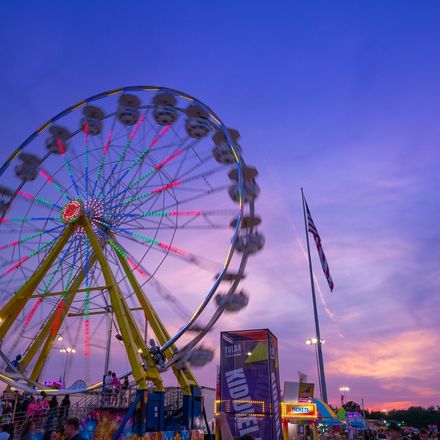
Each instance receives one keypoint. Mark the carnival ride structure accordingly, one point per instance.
(126, 198)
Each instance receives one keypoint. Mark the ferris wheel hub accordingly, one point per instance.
(71, 211)
(91, 209)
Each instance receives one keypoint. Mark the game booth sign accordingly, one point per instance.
(249, 386)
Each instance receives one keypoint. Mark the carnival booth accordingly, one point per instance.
(299, 414)
(355, 420)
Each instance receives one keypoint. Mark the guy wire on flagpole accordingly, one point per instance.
(321, 373)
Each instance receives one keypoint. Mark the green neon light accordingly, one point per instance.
(144, 176)
(155, 214)
(44, 201)
(139, 158)
(36, 251)
(133, 199)
(30, 237)
(118, 249)
(60, 190)
(145, 238)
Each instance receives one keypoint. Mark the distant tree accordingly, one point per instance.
(375, 415)
(415, 416)
(351, 406)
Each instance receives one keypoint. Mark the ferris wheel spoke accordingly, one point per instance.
(203, 263)
(68, 167)
(38, 199)
(174, 184)
(102, 160)
(138, 161)
(159, 288)
(148, 174)
(86, 159)
(159, 167)
(27, 257)
(124, 151)
(30, 237)
(152, 241)
(163, 292)
(204, 194)
(200, 163)
(56, 185)
(28, 219)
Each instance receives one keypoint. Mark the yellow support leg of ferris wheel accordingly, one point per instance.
(152, 370)
(129, 334)
(185, 378)
(46, 334)
(15, 305)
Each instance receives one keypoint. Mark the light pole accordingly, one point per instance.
(314, 341)
(67, 350)
(344, 390)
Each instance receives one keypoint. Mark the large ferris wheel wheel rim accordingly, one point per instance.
(239, 170)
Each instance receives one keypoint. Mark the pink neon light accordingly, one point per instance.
(32, 312)
(167, 186)
(25, 194)
(136, 128)
(164, 130)
(56, 322)
(137, 268)
(156, 139)
(168, 159)
(176, 213)
(60, 146)
(16, 265)
(173, 249)
(5, 220)
(86, 337)
(46, 176)
(86, 128)
(107, 142)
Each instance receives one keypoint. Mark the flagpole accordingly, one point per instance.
(321, 373)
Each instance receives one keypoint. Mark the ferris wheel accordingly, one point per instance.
(124, 206)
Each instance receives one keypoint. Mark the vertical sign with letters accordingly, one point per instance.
(249, 383)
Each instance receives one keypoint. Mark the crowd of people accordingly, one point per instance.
(27, 411)
(392, 432)
(115, 391)
(70, 431)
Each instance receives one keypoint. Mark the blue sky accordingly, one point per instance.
(338, 97)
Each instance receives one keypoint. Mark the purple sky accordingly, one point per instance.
(340, 98)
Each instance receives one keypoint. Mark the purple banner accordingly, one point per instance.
(249, 383)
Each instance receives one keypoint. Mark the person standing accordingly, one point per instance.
(51, 414)
(124, 391)
(116, 383)
(108, 388)
(63, 413)
(32, 408)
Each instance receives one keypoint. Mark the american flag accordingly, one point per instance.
(312, 229)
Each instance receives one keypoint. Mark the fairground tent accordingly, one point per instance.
(325, 413)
